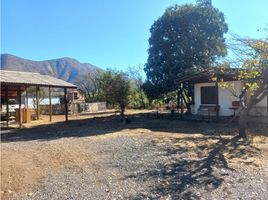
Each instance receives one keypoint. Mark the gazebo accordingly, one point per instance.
(14, 83)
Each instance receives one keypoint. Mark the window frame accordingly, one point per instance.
(208, 97)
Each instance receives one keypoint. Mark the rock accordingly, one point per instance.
(29, 194)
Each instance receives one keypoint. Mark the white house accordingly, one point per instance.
(208, 96)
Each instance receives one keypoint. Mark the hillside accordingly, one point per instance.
(67, 69)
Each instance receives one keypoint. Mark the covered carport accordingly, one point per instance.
(14, 83)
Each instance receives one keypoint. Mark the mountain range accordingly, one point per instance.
(66, 68)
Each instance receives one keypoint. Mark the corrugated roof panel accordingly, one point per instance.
(29, 78)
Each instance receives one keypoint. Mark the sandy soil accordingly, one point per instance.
(29, 155)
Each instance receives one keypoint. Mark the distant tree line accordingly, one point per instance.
(117, 88)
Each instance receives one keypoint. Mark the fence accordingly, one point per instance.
(74, 108)
(93, 107)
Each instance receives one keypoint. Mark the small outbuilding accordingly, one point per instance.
(208, 97)
(14, 83)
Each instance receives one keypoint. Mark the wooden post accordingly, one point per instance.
(72, 103)
(37, 102)
(26, 103)
(19, 94)
(217, 101)
(267, 102)
(7, 109)
(50, 104)
(181, 100)
(178, 98)
(65, 104)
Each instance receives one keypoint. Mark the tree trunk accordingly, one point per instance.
(243, 124)
(178, 98)
(187, 103)
(122, 112)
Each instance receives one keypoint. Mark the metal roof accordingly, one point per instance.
(32, 79)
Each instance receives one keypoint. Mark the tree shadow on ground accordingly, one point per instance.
(187, 177)
(110, 124)
(183, 176)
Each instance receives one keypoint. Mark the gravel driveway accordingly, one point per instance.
(136, 162)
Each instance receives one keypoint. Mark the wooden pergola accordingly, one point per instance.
(14, 83)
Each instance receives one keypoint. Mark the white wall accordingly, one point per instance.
(225, 97)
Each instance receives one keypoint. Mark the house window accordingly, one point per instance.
(209, 95)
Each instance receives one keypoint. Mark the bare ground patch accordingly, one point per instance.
(23, 165)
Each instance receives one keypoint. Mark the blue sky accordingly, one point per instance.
(106, 33)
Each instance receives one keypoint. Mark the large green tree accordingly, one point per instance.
(110, 86)
(121, 90)
(185, 39)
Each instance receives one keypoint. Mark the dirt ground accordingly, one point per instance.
(157, 159)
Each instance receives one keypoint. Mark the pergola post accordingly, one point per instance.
(181, 100)
(7, 109)
(66, 104)
(72, 112)
(50, 104)
(178, 98)
(26, 95)
(267, 102)
(217, 100)
(19, 113)
(37, 101)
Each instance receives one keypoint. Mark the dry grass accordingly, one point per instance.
(22, 168)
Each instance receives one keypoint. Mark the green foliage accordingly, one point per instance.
(110, 86)
(120, 89)
(106, 81)
(165, 100)
(116, 88)
(153, 91)
(158, 103)
(185, 39)
(137, 97)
